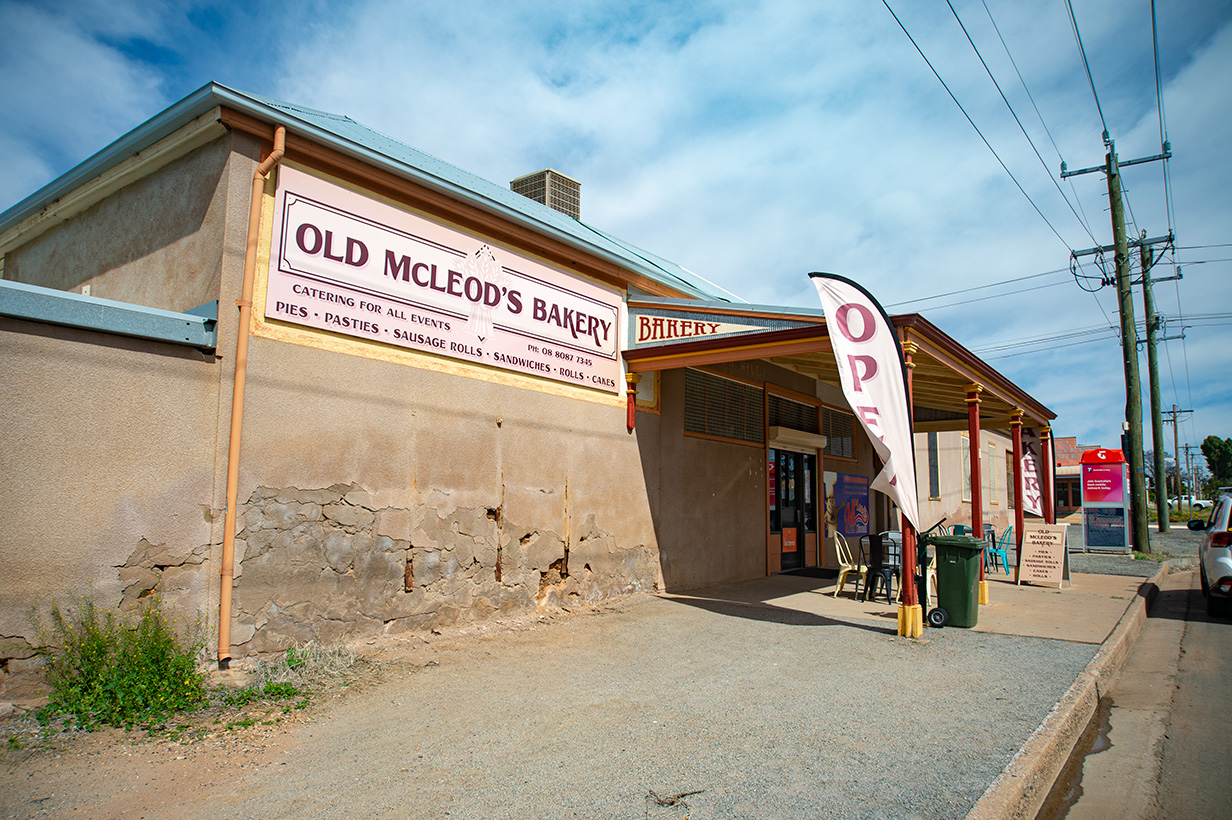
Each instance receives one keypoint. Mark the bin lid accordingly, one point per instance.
(968, 541)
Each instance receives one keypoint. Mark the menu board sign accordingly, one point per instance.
(1045, 560)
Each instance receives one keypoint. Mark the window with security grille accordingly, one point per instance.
(839, 428)
(794, 415)
(723, 408)
(934, 470)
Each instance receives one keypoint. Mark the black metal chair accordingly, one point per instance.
(884, 564)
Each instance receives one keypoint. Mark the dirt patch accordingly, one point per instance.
(58, 770)
(200, 756)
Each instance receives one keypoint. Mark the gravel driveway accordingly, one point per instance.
(670, 709)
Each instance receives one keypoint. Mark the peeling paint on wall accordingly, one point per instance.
(324, 565)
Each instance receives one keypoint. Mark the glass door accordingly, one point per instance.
(792, 507)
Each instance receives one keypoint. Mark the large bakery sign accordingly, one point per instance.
(344, 262)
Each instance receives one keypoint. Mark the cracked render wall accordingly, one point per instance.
(108, 468)
(380, 498)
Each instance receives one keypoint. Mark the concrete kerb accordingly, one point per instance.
(1019, 792)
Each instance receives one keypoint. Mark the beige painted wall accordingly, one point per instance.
(108, 466)
(158, 242)
(950, 448)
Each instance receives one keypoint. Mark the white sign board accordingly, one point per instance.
(344, 262)
(1045, 560)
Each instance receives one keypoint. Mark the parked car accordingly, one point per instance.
(1194, 503)
(1215, 557)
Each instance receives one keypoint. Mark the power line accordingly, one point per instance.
(1014, 114)
(1046, 349)
(987, 144)
(995, 296)
(1086, 223)
(1163, 128)
(1074, 24)
(978, 287)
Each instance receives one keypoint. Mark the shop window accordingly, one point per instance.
(722, 408)
(839, 429)
(992, 474)
(934, 471)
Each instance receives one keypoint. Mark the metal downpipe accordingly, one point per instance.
(227, 570)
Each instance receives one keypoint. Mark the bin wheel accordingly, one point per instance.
(938, 617)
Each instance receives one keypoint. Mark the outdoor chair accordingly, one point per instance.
(932, 578)
(960, 529)
(884, 565)
(1000, 550)
(847, 565)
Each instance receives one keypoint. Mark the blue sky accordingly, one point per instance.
(750, 142)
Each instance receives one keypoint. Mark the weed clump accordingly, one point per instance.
(108, 670)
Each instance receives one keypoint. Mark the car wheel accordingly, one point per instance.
(1217, 607)
(1206, 588)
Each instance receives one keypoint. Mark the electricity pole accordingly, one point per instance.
(1152, 361)
(1176, 444)
(1129, 335)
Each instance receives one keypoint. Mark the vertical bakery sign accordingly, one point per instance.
(344, 262)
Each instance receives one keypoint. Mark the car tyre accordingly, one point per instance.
(1206, 588)
(1217, 607)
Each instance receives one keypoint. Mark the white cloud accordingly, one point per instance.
(750, 142)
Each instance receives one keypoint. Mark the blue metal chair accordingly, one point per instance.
(997, 551)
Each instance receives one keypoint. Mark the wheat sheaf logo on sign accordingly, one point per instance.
(482, 265)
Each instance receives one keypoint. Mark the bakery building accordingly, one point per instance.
(301, 381)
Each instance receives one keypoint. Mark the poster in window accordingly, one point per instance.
(851, 502)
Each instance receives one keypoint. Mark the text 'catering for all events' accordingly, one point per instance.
(344, 262)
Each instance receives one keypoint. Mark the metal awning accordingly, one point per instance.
(943, 371)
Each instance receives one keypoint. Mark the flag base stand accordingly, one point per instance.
(910, 621)
(983, 592)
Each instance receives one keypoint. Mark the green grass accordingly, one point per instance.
(118, 671)
(250, 694)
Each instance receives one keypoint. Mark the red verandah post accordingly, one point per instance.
(977, 495)
(1016, 427)
(910, 594)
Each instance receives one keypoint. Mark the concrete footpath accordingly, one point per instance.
(1102, 610)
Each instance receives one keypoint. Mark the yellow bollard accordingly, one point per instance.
(910, 621)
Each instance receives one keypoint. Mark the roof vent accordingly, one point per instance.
(551, 188)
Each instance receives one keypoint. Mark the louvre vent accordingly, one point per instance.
(551, 188)
(840, 431)
(793, 414)
(722, 408)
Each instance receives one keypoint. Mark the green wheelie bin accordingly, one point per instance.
(958, 580)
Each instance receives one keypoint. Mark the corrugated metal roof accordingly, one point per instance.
(356, 139)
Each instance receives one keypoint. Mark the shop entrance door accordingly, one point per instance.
(792, 508)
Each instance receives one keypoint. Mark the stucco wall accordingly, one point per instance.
(711, 515)
(158, 242)
(108, 467)
(446, 499)
(950, 505)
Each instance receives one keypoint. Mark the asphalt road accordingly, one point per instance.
(1160, 748)
(1195, 779)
